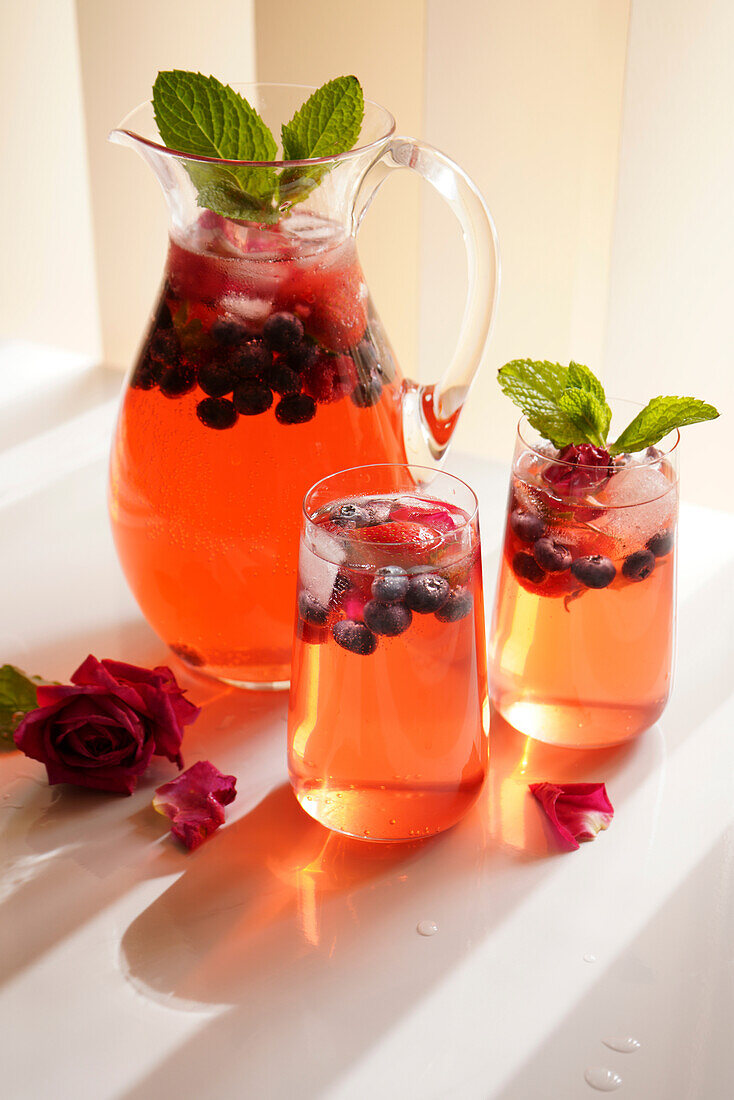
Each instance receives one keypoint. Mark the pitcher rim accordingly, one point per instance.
(356, 151)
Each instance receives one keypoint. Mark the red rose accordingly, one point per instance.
(102, 730)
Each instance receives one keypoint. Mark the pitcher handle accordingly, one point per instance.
(430, 412)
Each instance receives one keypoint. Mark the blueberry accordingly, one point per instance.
(552, 556)
(284, 380)
(390, 584)
(177, 381)
(457, 606)
(147, 374)
(295, 408)
(216, 412)
(594, 571)
(527, 526)
(228, 334)
(165, 347)
(526, 567)
(379, 511)
(389, 619)
(350, 515)
(356, 637)
(251, 361)
(367, 393)
(300, 357)
(282, 331)
(639, 566)
(661, 544)
(215, 381)
(311, 610)
(427, 592)
(251, 399)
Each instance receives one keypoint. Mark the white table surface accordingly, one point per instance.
(281, 961)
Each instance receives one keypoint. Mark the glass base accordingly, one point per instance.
(255, 685)
(577, 725)
(270, 677)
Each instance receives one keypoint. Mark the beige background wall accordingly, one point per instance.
(122, 47)
(47, 283)
(527, 97)
(672, 282)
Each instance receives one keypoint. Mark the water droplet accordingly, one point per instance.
(603, 1079)
(427, 927)
(589, 958)
(392, 821)
(625, 1045)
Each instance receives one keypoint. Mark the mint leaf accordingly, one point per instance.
(582, 378)
(327, 124)
(197, 115)
(660, 416)
(587, 414)
(536, 386)
(17, 697)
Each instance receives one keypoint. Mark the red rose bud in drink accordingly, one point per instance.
(101, 730)
(195, 801)
(575, 811)
(579, 469)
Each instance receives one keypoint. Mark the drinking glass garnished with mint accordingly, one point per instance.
(265, 366)
(582, 638)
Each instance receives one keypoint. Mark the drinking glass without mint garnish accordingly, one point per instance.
(582, 638)
(388, 720)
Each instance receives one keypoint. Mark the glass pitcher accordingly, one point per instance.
(265, 368)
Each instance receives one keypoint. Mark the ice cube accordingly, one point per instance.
(640, 501)
(319, 563)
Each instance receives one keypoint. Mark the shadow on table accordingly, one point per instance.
(69, 852)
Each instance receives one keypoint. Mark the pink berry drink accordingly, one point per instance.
(582, 636)
(387, 731)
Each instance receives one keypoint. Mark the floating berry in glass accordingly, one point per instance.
(295, 408)
(251, 399)
(355, 637)
(390, 584)
(551, 555)
(367, 393)
(457, 606)
(638, 566)
(594, 571)
(661, 544)
(526, 567)
(390, 619)
(228, 334)
(282, 331)
(284, 380)
(216, 381)
(427, 592)
(147, 374)
(216, 412)
(527, 526)
(179, 380)
(311, 610)
(251, 361)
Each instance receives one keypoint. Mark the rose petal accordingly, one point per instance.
(575, 811)
(195, 801)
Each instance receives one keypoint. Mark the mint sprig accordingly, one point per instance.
(197, 115)
(17, 698)
(568, 405)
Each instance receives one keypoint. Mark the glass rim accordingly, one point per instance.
(309, 517)
(389, 130)
(523, 423)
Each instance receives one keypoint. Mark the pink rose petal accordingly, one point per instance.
(576, 811)
(195, 802)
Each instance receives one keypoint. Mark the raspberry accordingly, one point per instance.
(585, 467)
